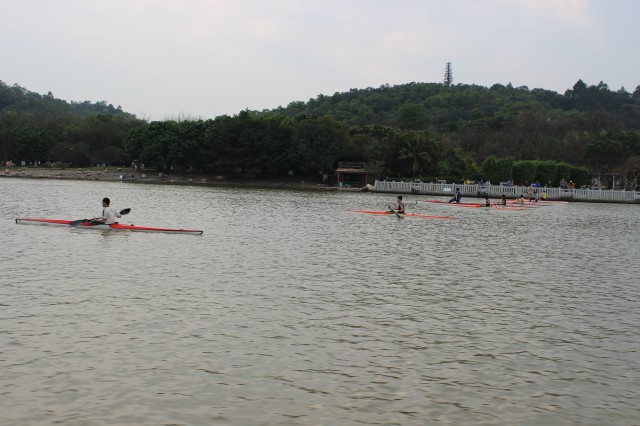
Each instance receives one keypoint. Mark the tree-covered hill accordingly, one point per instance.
(449, 108)
(21, 100)
(414, 130)
(41, 128)
(588, 126)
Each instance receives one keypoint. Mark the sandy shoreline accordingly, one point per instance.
(154, 177)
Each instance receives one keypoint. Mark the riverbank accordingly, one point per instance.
(129, 176)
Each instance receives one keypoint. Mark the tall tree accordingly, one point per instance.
(448, 75)
(413, 116)
(416, 149)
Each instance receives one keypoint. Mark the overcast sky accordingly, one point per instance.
(162, 59)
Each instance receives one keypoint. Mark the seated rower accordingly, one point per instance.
(400, 207)
(503, 201)
(487, 202)
(109, 214)
(456, 197)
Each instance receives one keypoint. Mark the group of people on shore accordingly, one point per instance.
(567, 185)
(563, 184)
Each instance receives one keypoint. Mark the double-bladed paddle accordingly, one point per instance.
(393, 211)
(81, 221)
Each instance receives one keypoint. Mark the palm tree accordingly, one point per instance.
(416, 149)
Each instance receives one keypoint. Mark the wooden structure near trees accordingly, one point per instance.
(350, 174)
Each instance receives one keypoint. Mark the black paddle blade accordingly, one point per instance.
(391, 210)
(125, 211)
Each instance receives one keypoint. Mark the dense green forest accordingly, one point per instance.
(41, 128)
(408, 131)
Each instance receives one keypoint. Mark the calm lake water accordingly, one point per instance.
(291, 311)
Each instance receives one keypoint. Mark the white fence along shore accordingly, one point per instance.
(496, 191)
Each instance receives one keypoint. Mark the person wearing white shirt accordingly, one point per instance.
(109, 213)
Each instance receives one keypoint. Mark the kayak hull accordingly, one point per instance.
(103, 227)
(477, 205)
(384, 212)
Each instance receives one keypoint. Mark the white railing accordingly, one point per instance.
(475, 190)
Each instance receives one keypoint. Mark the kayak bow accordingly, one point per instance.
(104, 227)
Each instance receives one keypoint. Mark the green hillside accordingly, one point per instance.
(42, 129)
(414, 130)
(19, 99)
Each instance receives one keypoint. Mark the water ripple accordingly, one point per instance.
(292, 311)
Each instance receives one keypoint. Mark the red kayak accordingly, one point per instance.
(475, 205)
(386, 212)
(90, 225)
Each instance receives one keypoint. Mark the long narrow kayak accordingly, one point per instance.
(475, 205)
(532, 204)
(541, 201)
(493, 206)
(119, 226)
(386, 212)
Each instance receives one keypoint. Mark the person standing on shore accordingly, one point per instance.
(109, 213)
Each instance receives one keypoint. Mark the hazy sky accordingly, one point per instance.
(204, 58)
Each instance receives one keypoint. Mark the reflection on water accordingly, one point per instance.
(289, 310)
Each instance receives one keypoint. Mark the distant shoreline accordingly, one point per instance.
(154, 177)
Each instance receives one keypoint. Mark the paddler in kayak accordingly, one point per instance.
(456, 197)
(487, 202)
(503, 202)
(109, 213)
(520, 200)
(400, 207)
